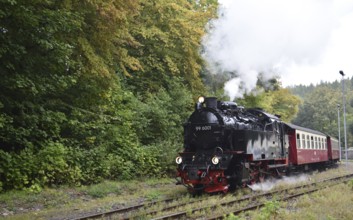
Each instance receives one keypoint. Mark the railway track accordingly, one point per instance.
(171, 207)
(124, 210)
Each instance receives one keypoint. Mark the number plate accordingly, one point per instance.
(203, 128)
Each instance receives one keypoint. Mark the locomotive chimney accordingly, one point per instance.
(211, 102)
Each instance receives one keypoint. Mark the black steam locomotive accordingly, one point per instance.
(226, 145)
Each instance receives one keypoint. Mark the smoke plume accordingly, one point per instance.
(268, 37)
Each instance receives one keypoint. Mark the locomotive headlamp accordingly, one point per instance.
(201, 99)
(215, 160)
(178, 160)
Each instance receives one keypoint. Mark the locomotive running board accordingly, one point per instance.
(273, 166)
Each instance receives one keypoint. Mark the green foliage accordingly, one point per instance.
(159, 123)
(99, 90)
(231, 216)
(32, 169)
(165, 153)
(268, 94)
(215, 83)
(102, 189)
(161, 115)
(153, 195)
(280, 102)
(169, 33)
(285, 104)
(95, 90)
(269, 211)
(319, 110)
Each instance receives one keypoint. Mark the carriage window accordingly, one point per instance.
(320, 143)
(315, 143)
(312, 142)
(303, 140)
(307, 141)
(325, 146)
(298, 141)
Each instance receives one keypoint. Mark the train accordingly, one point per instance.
(227, 146)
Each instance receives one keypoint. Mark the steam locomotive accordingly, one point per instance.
(227, 146)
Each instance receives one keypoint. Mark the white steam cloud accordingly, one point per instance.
(274, 37)
(270, 184)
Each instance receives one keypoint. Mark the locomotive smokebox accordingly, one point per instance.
(211, 102)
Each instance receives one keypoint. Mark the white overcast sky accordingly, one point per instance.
(303, 41)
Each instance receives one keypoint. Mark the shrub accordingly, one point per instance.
(231, 216)
(350, 183)
(32, 168)
(270, 210)
(16, 170)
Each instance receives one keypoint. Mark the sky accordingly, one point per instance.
(302, 41)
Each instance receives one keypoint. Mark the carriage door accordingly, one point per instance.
(281, 140)
(279, 133)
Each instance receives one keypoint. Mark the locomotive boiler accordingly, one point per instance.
(226, 145)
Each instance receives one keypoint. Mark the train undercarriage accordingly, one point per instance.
(239, 174)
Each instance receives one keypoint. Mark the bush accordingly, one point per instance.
(32, 168)
(165, 153)
(270, 210)
(231, 216)
(74, 146)
(16, 170)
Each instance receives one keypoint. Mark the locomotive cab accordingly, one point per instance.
(203, 130)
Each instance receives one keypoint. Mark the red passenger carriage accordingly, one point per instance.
(333, 149)
(307, 146)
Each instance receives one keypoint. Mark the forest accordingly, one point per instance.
(95, 90)
(320, 106)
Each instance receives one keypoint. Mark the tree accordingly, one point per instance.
(269, 96)
(63, 115)
(169, 33)
(319, 110)
(74, 75)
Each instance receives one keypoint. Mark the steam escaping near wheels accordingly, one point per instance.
(269, 184)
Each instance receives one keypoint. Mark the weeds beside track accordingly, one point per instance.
(177, 208)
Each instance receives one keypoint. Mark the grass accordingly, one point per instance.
(103, 189)
(331, 203)
(72, 200)
(335, 201)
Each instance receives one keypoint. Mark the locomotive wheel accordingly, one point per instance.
(197, 190)
(232, 185)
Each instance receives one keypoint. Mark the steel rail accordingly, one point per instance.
(124, 210)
